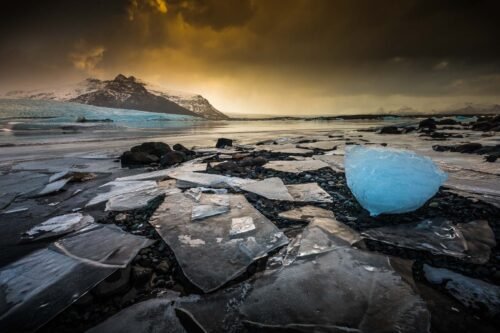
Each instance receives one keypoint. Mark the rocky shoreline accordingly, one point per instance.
(156, 273)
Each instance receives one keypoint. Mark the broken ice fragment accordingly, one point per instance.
(310, 192)
(203, 211)
(122, 187)
(215, 257)
(391, 181)
(470, 292)
(45, 282)
(470, 242)
(58, 176)
(346, 290)
(296, 166)
(320, 145)
(58, 225)
(142, 317)
(270, 188)
(53, 187)
(306, 213)
(102, 245)
(240, 225)
(197, 179)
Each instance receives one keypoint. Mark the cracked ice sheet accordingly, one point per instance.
(189, 166)
(296, 166)
(336, 162)
(208, 255)
(154, 315)
(320, 145)
(70, 164)
(58, 225)
(39, 286)
(198, 179)
(53, 187)
(122, 187)
(472, 293)
(113, 247)
(270, 188)
(344, 290)
(306, 213)
(284, 149)
(310, 192)
(471, 242)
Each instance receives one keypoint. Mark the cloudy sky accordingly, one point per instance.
(289, 57)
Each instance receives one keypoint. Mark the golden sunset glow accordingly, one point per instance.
(295, 57)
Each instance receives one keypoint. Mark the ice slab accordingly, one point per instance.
(336, 162)
(306, 213)
(391, 181)
(138, 199)
(197, 179)
(296, 166)
(58, 176)
(472, 293)
(310, 192)
(102, 245)
(58, 225)
(151, 316)
(6, 199)
(39, 286)
(207, 252)
(203, 211)
(270, 188)
(189, 166)
(470, 242)
(320, 145)
(284, 149)
(53, 187)
(196, 192)
(345, 290)
(122, 187)
(22, 182)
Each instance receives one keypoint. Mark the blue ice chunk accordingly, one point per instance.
(391, 181)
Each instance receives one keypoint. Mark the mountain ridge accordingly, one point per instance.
(126, 93)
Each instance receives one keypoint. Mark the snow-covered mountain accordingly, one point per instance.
(126, 93)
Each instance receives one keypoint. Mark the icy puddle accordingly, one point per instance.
(218, 245)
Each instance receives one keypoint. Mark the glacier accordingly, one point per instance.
(391, 181)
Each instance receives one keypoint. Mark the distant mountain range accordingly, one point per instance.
(468, 109)
(126, 93)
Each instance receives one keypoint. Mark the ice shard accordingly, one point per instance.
(390, 181)
(112, 247)
(472, 293)
(306, 213)
(58, 225)
(208, 251)
(197, 179)
(154, 315)
(53, 187)
(344, 290)
(310, 192)
(470, 242)
(117, 188)
(39, 286)
(296, 166)
(270, 188)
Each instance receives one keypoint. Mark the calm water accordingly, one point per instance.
(24, 122)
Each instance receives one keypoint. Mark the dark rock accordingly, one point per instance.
(141, 275)
(428, 123)
(390, 130)
(447, 122)
(227, 166)
(491, 158)
(116, 283)
(172, 157)
(182, 149)
(154, 148)
(468, 148)
(223, 142)
(253, 161)
(162, 268)
(129, 158)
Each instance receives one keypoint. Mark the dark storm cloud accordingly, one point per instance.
(408, 47)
